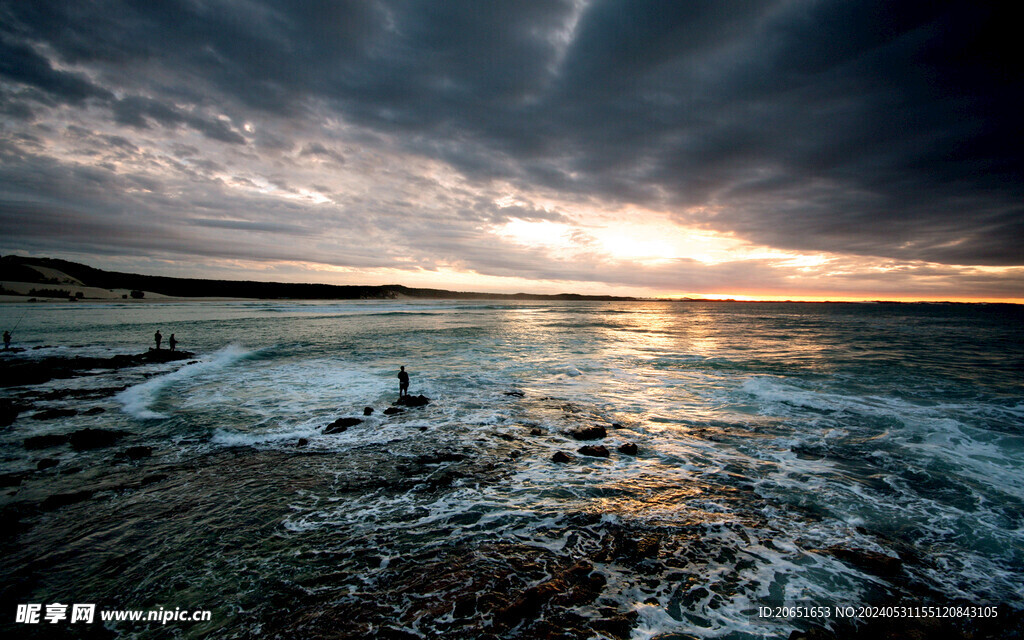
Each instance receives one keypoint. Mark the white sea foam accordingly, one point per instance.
(138, 400)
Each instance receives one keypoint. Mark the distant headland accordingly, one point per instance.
(51, 278)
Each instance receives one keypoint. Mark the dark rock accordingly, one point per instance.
(536, 431)
(155, 477)
(367, 411)
(439, 457)
(869, 561)
(413, 401)
(11, 479)
(45, 442)
(47, 463)
(137, 453)
(618, 626)
(18, 373)
(59, 500)
(561, 456)
(96, 392)
(164, 355)
(595, 432)
(94, 438)
(813, 633)
(575, 586)
(515, 394)
(302, 442)
(616, 425)
(390, 411)
(341, 424)
(637, 547)
(50, 414)
(596, 451)
(93, 411)
(8, 412)
(629, 449)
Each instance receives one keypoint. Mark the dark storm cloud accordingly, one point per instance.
(23, 65)
(317, 150)
(874, 128)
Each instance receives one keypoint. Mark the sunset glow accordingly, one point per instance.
(707, 153)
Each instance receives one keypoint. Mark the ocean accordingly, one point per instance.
(794, 463)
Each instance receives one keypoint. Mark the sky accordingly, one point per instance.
(789, 149)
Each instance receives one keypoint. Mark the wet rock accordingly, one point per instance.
(637, 547)
(138, 452)
(341, 424)
(11, 479)
(150, 479)
(302, 442)
(45, 442)
(19, 373)
(439, 457)
(595, 432)
(367, 411)
(629, 449)
(813, 633)
(573, 587)
(391, 632)
(561, 456)
(413, 401)
(163, 355)
(8, 412)
(536, 431)
(51, 414)
(595, 451)
(617, 626)
(91, 393)
(94, 438)
(868, 561)
(515, 394)
(94, 411)
(47, 463)
(59, 500)
(391, 411)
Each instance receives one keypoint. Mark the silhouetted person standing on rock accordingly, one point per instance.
(403, 383)
(172, 342)
(158, 338)
(7, 340)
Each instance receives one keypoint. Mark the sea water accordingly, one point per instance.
(769, 436)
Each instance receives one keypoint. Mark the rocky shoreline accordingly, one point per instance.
(488, 591)
(217, 515)
(16, 372)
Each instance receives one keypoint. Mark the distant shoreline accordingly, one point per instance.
(21, 277)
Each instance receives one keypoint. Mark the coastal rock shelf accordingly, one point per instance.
(18, 372)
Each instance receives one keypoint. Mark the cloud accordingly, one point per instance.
(872, 130)
(317, 150)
